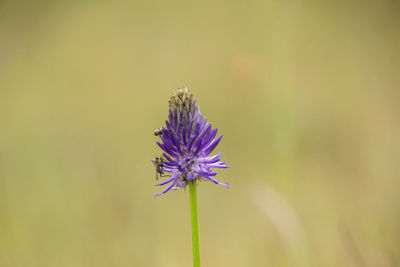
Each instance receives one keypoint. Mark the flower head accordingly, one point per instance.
(187, 140)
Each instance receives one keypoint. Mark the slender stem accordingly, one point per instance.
(195, 224)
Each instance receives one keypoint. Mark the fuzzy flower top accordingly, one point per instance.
(187, 141)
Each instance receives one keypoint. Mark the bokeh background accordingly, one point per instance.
(306, 94)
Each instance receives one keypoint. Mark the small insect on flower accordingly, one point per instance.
(158, 132)
(187, 140)
(159, 165)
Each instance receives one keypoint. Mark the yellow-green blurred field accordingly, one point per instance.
(306, 93)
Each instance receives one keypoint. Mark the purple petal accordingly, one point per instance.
(167, 140)
(184, 133)
(210, 159)
(168, 125)
(168, 158)
(210, 137)
(191, 176)
(177, 146)
(171, 164)
(216, 165)
(217, 182)
(212, 145)
(189, 147)
(190, 127)
(166, 149)
(205, 132)
(166, 181)
(166, 189)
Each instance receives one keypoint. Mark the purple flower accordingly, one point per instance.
(188, 140)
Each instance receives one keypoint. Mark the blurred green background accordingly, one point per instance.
(306, 94)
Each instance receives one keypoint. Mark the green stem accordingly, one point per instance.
(195, 224)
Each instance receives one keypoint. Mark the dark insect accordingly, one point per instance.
(158, 132)
(159, 165)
